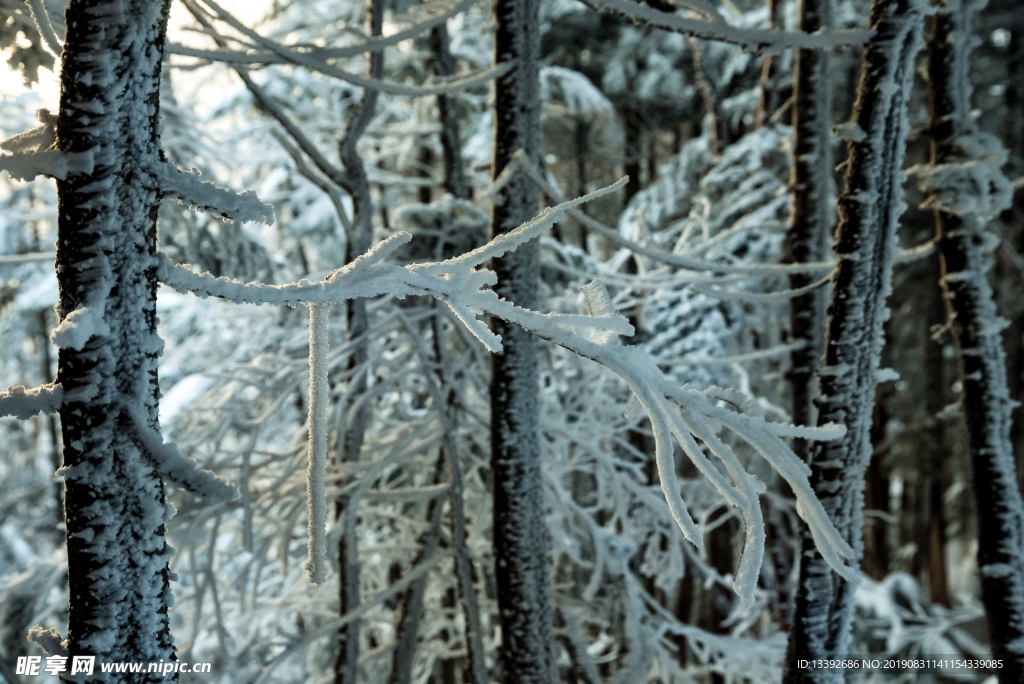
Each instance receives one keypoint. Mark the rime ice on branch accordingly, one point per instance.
(676, 412)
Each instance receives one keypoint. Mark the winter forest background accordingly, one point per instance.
(654, 445)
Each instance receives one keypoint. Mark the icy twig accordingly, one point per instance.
(755, 40)
(29, 258)
(762, 297)
(318, 363)
(24, 403)
(207, 196)
(325, 53)
(661, 255)
(309, 61)
(170, 463)
(677, 412)
(310, 175)
(41, 18)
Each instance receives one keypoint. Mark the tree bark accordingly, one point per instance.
(114, 500)
(810, 216)
(965, 256)
(869, 212)
(520, 535)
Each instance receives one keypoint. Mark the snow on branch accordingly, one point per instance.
(27, 165)
(32, 153)
(310, 61)
(172, 465)
(763, 297)
(23, 403)
(686, 413)
(41, 18)
(27, 258)
(316, 568)
(207, 196)
(654, 253)
(755, 40)
(325, 53)
(682, 413)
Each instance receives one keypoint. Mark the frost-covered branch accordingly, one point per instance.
(41, 18)
(316, 568)
(369, 276)
(308, 60)
(685, 413)
(28, 258)
(171, 464)
(309, 174)
(27, 165)
(32, 153)
(208, 197)
(660, 255)
(324, 53)
(757, 40)
(23, 403)
(677, 412)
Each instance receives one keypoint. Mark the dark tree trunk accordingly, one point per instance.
(869, 212)
(974, 323)
(520, 535)
(769, 70)
(810, 217)
(634, 153)
(357, 412)
(938, 448)
(876, 496)
(114, 500)
(455, 180)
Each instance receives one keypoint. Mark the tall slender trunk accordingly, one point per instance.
(876, 495)
(965, 255)
(769, 70)
(114, 500)
(455, 180)
(357, 413)
(520, 535)
(456, 183)
(869, 212)
(810, 217)
(937, 442)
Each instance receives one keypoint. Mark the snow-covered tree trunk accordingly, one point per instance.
(520, 534)
(967, 188)
(114, 499)
(810, 218)
(869, 213)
